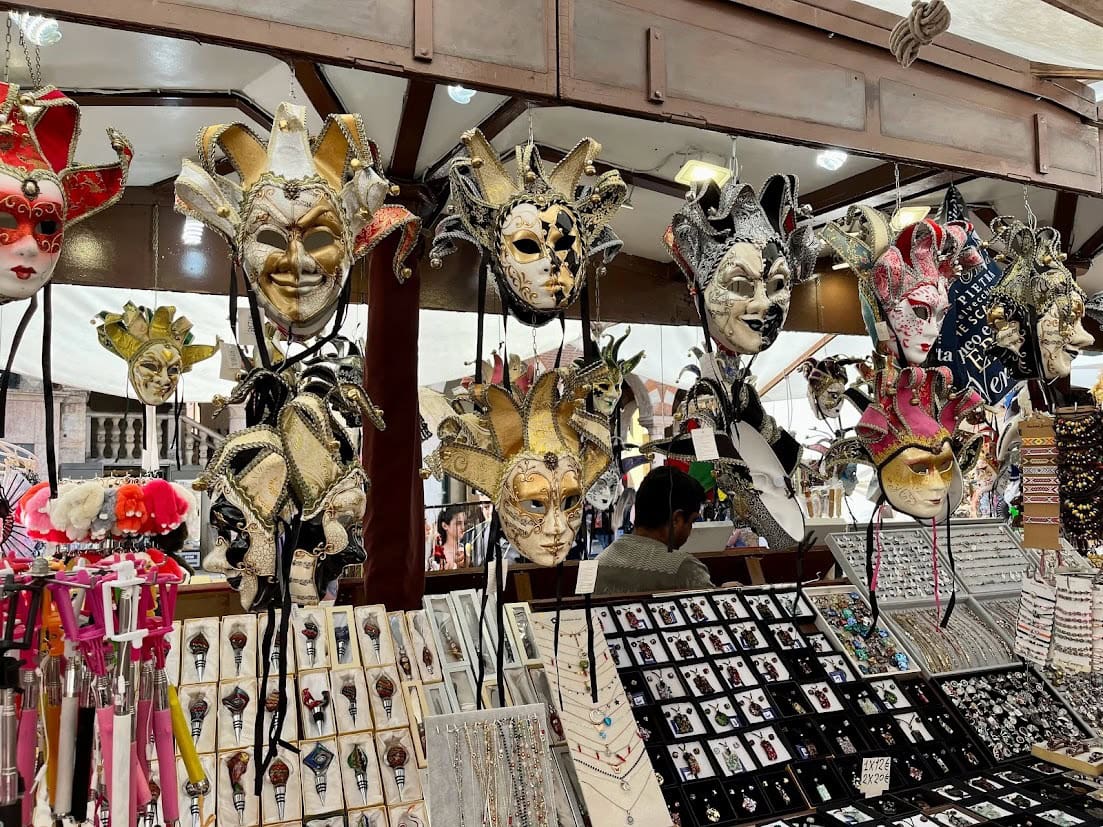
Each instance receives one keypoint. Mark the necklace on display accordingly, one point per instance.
(628, 817)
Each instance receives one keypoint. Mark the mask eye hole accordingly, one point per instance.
(571, 501)
(527, 246)
(777, 284)
(7, 221)
(921, 311)
(47, 226)
(744, 288)
(317, 239)
(538, 507)
(272, 238)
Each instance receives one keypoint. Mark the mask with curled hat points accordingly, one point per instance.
(536, 228)
(741, 254)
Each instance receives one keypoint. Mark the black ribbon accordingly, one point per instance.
(479, 321)
(953, 569)
(490, 552)
(874, 610)
(802, 549)
(5, 381)
(48, 386)
(558, 613)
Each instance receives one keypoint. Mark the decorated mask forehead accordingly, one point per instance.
(157, 347)
(542, 452)
(606, 489)
(538, 228)
(304, 210)
(42, 189)
(741, 254)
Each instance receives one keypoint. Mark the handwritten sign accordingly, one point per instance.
(875, 776)
(587, 577)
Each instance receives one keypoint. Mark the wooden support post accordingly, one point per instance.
(394, 527)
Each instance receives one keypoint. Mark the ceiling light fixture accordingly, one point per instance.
(39, 30)
(192, 233)
(696, 171)
(906, 216)
(460, 94)
(831, 159)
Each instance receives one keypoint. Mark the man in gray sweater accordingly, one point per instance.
(668, 502)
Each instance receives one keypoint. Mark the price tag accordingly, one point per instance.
(587, 577)
(704, 444)
(231, 362)
(875, 776)
(246, 335)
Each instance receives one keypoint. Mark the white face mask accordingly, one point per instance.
(541, 507)
(1059, 345)
(295, 255)
(31, 231)
(747, 300)
(917, 320)
(541, 255)
(605, 490)
(155, 372)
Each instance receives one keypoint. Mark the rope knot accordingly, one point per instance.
(926, 21)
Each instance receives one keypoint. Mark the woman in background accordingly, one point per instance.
(448, 546)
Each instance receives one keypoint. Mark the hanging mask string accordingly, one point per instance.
(177, 412)
(48, 387)
(5, 382)
(588, 605)
(506, 383)
(482, 608)
(872, 568)
(500, 612)
(802, 549)
(234, 272)
(558, 613)
(953, 572)
(480, 319)
(562, 339)
(934, 567)
(589, 348)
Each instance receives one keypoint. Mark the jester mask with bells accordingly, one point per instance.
(741, 255)
(607, 391)
(903, 280)
(1036, 309)
(535, 456)
(42, 189)
(156, 347)
(910, 434)
(538, 229)
(303, 212)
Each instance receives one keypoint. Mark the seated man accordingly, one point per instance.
(647, 560)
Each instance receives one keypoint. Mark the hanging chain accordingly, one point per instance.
(7, 52)
(36, 76)
(26, 55)
(291, 96)
(530, 126)
(896, 177)
(1031, 218)
(156, 251)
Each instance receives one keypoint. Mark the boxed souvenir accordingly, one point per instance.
(371, 817)
(359, 768)
(398, 767)
(238, 644)
(403, 646)
(316, 705)
(173, 659)
(274, 650)
(236, 803)
(373, 635)
(321, 777)
(461, 689)
(200, 704)
(409, 815)
(281, 796)
(427, 658)
(351, 705)
(268, 706)
(342, 639)
(237, 714)
(388, 708)
(447, 634)
(417, 710)
(308, 630)
(199, 651)
(200, 809)
(519, 616)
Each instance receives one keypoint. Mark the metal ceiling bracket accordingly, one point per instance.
(1041, 143)
(423, 30)
(656, 65)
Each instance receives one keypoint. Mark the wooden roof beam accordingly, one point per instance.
(411, 127)
(491, 126)
(1064, 217)
(175, 97)
(933, 181)
(864, 184)
(1090, 10)
(319, 91)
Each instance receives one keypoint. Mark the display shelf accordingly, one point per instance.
(905, 574)
(969, 642)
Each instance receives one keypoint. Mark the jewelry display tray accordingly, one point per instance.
(849, 550)
(839, 645)
(963, 602)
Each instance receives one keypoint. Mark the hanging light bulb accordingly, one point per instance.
(192, 233)
(460, 94)
(831, 159)
(39, 30)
